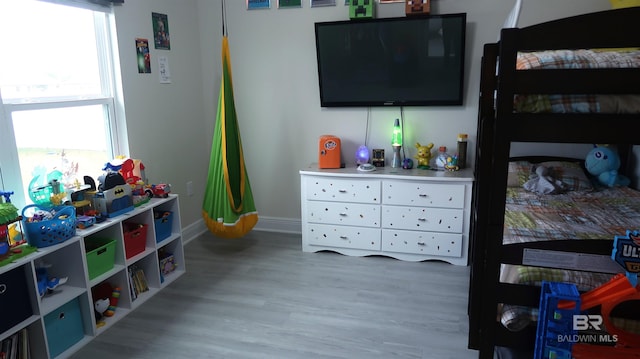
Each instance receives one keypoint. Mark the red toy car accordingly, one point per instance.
(161, 190)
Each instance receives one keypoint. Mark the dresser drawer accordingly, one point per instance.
(343, 236)
(414, 193)
(418, 242)
(352, 214)
(342, 190)
(423, 218)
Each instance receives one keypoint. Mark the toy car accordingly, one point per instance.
(161, 190)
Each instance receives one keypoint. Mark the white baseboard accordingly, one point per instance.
(193, 230)
(281, 225)
(266, 224)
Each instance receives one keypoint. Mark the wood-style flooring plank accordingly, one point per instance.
(262, 297)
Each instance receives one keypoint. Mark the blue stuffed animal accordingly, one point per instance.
(604, 163)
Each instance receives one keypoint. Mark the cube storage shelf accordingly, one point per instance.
(94, 256)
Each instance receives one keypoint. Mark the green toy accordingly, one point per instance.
(362, 9)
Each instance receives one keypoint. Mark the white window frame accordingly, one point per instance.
(111, 100)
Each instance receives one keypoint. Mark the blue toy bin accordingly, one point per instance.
(51, 231)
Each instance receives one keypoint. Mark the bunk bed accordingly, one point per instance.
(503, 121)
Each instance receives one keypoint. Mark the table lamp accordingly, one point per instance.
(396, 143)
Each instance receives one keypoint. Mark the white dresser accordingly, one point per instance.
(411, 215)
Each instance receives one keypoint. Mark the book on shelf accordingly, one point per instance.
(16, 346)
(137, 281)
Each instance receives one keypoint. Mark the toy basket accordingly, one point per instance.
(52, 231)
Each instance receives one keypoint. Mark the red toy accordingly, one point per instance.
(161, 190)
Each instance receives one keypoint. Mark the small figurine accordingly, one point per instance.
(101, 306)
(424, 155)
(452, 163)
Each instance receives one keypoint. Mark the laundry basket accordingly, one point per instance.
(45, 233)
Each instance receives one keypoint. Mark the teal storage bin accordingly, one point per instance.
(64, 327)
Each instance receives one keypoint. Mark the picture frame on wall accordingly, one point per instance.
(284, 4)
(143, 57)
(258, 4)
(318, 3)
(161, 38)
(389, 1)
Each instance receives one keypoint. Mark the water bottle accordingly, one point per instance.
(441, 158)
(462, 150)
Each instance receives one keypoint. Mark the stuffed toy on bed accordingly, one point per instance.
(604, 163)
(543, 181)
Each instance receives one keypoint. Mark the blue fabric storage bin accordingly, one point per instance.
(163, 221)
(15, 306)
(64, 327)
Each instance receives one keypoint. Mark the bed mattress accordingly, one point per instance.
(588, 214)
(578, 59)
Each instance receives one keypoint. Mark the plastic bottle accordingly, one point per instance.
(441, 158)
(462, 150)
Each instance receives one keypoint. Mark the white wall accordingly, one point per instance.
(166, 122)
(276, 91)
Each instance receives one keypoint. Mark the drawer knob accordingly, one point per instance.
(423, 195)
(343, 237)
(343, 214)
(422, 219)
(421, 243)
(342, 190)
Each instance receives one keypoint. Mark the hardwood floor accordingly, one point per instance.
(262, 297)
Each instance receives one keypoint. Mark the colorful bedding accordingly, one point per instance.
(597, 214)
(578, 59)
(593, 214)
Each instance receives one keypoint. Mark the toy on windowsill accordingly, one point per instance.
(423, 157)
(604, 163)
(114, 195)
(12, 241)
(161, 190)
(8, 215)
(141, 193)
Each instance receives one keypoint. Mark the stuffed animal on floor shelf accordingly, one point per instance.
(604, 163)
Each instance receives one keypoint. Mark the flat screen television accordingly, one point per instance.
(404, 61)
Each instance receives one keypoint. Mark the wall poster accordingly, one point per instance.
(161, 31)
(258, 4)
(316, 3)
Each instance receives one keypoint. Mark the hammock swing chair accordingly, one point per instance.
(228, 208)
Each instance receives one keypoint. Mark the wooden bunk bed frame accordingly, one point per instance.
(499, 125)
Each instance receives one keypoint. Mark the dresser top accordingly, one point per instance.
(390, 172)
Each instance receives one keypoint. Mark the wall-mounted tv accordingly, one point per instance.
(404, 61)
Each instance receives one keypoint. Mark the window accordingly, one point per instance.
(57, 104)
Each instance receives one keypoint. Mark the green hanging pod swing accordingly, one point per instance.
(228, 208)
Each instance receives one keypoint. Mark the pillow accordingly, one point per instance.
(570, 173)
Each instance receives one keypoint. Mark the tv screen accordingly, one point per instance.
(406, 61)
